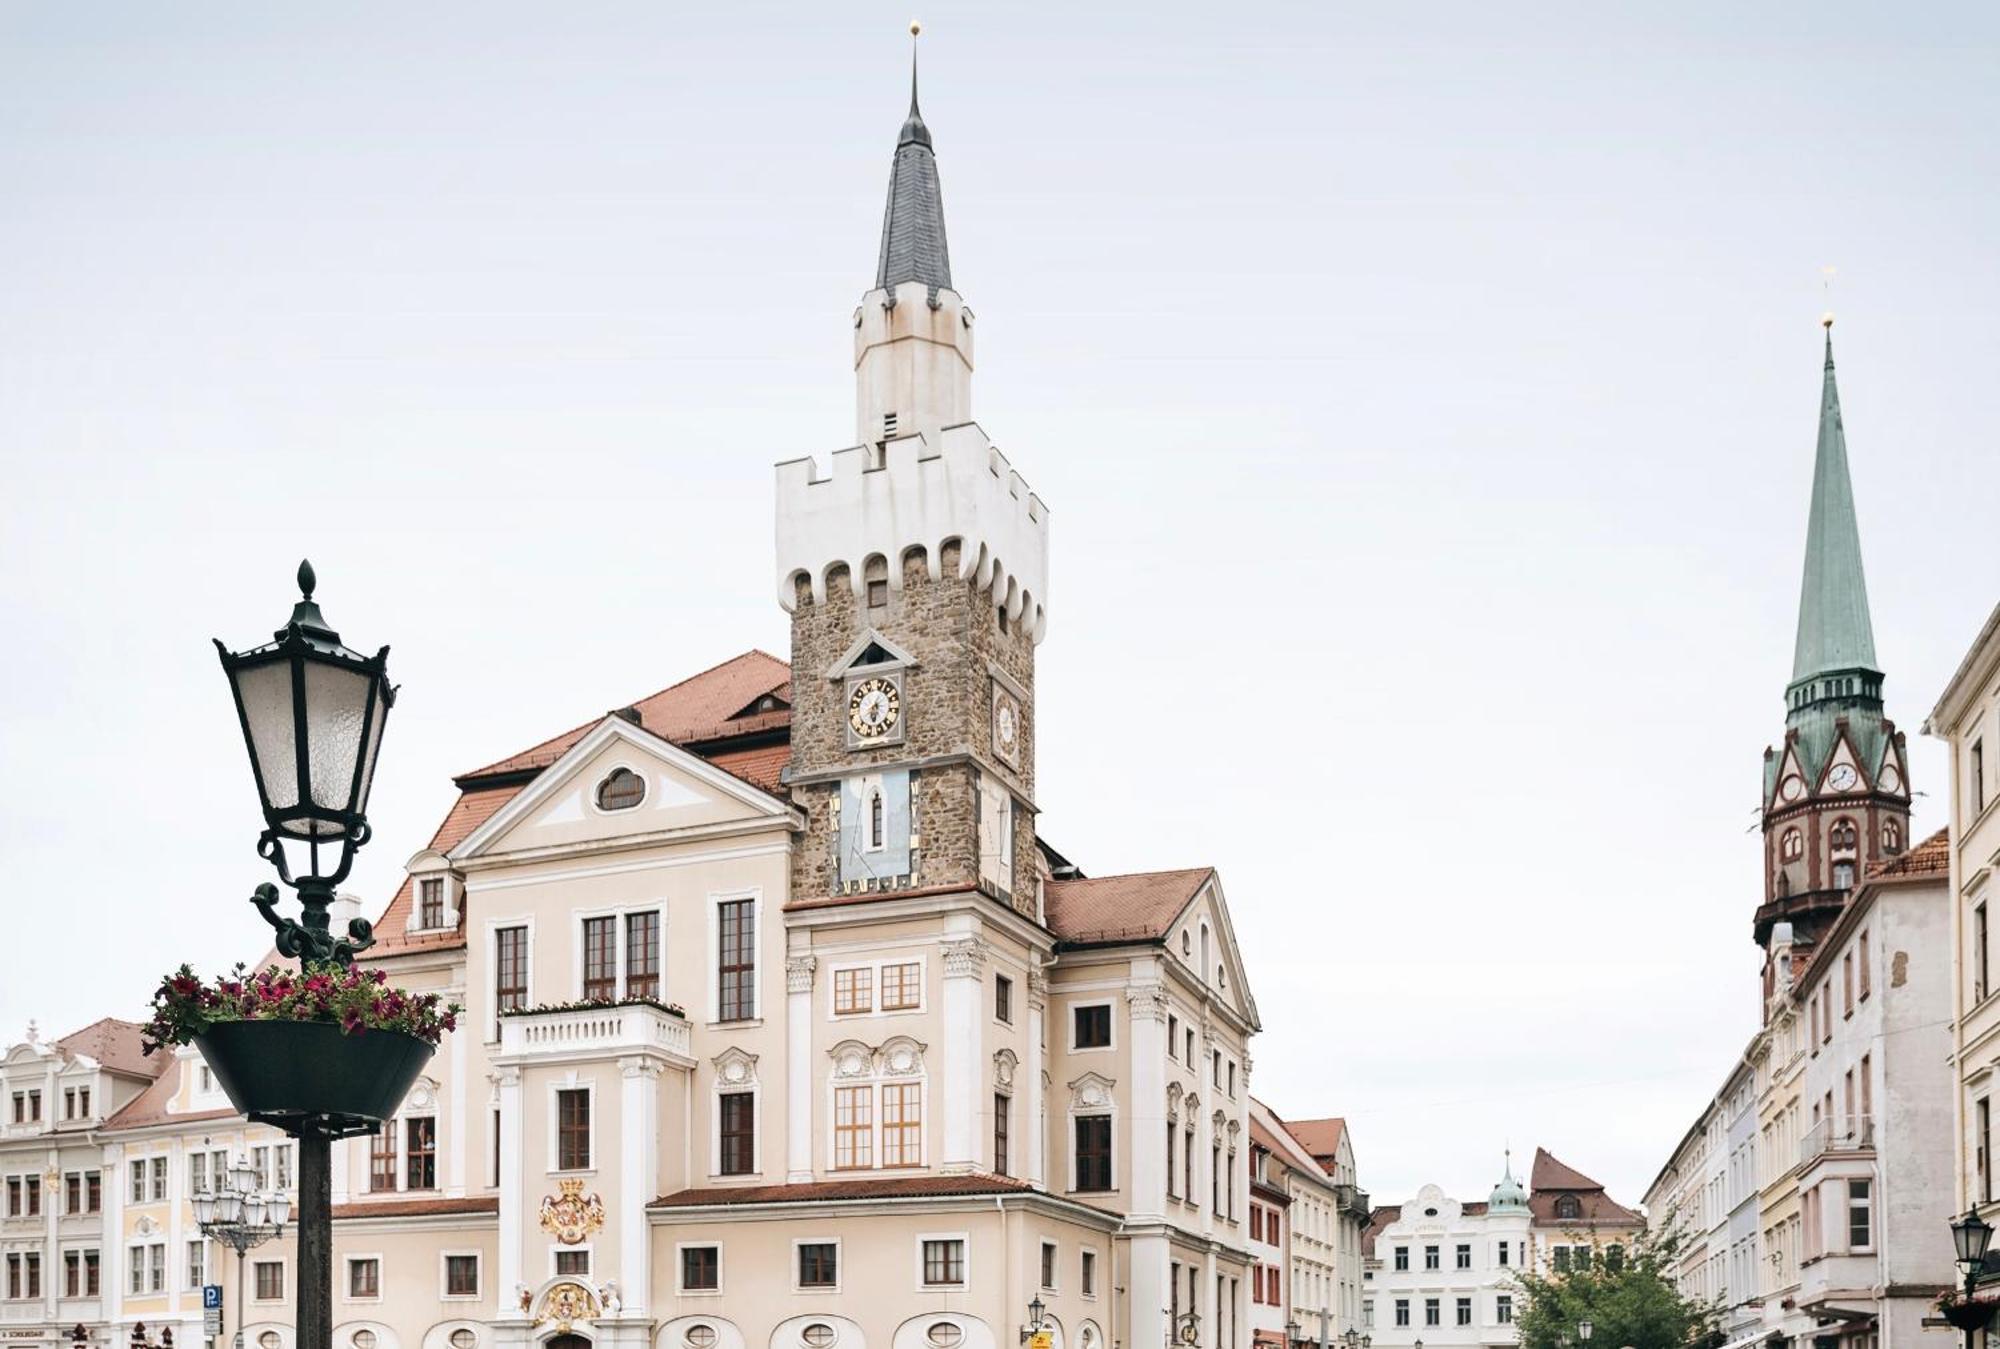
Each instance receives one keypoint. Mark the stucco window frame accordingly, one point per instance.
(1087, 1288)
(680, 1269)
(1111, 1018)
(839, 1266)
(1048, 1255)
(589, 1248)
(716, 899)
(964, 1240)
(1108, 1110)
(630, 765)
(621, 955)
(284, 1282)
(752, 1088)
(491, 993)
(570, 1082)
(875, 1009)
(347, 1262)
(444, 1275)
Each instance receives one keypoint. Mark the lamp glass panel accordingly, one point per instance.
(280, 1208)
(265, 691)
(336, 704)
(372, 748)
(228, 1207)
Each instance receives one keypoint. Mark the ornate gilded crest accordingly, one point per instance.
(567, 1303)
(570, 1217)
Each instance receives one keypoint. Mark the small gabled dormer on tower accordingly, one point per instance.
(1836, 795)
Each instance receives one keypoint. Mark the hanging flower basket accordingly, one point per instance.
(328, 1049)
(1967, 1313)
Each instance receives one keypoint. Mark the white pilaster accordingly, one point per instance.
(1036, 1077)
(798, 1068)
(513, 1201)
(111, 1274)
(964, 972)
(1147, 1004)
(1150, 1294)
(639, 1139)
(460, 1111)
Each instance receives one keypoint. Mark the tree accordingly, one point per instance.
(1627, 1292)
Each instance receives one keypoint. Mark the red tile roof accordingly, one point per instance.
(828, 1191)
(1551, 1180)
(414, 1208)
(1550, 1174)
(1136, 907)
(1932, 857)
(116, 1045)
(150, 1106)
(1320, 1137)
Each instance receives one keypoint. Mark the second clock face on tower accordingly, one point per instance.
(874, 708)
(1006, 727)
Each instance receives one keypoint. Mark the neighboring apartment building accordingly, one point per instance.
(1332, 1146)
(1967, 719)
(1312, 1283)
(1875, 1179)
(1741, 1298)
(1443, 1270)
(1270, 1235)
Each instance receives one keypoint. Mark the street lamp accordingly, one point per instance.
(1970, 1236)
(1583, 1329)
(1035, 1309)
(240, 1216)
(1291, 1332)
(311, 712)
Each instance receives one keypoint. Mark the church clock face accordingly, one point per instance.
(1792, 788)
(1006, 726)
(874, 708)
(1842, 778)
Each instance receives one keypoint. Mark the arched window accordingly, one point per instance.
(1568, 1206)
(1892, 836)
(1844, 836)
(875, 819)
(623, 790)
(1792, 845)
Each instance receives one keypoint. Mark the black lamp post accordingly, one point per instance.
(241, 1217)
(1291, 1332)
(1970, 1236)
(312, 713)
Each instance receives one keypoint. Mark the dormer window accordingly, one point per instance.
(623, 790)
(430, 902)
(1567, 1206)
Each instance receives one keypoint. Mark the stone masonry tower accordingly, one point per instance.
(1836, 794)
(915, 573)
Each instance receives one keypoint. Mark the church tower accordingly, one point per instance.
(915, 573)
(1836, 789)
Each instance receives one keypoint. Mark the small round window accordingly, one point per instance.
(270, 1339)
(818, 1335)
(623, 790)
(701, 1337)
(364, 1339)
(945, 1335)
(463, 1338)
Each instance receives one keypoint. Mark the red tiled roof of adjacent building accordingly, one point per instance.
(150, 1106)
(1140, 906)
(1550, 1181)
(1551, 1174)
(415, 1208)
(828, 1191)
(116, 1045)
(1932, 857)
(1320, 1137)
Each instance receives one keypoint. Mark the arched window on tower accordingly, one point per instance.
(1844, 836)
(1892, 836)
(1791, 845)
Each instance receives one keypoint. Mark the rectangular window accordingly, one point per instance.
(93, 1192)
(1173, 1036)
(34, 1107)
(944, 1263)
(1978, 776)
(1464, 1311)
(853, 991)
(14, 1196)
(420, 1153)
(701, 1269)
(736, 960)
(270, 1281)
(197, 1173)
(135, 1269)
(510, 968)
(902, 1124)
(600, 959)
(494, 1173)
(90, 1273)
(364, 1278)
(194, 1271)
(642, 954)
(1980, 987)
(1003, 1109)
(260, 1162)
(853, 1128)
(72, 1274)
(137, 1191)
(1003, 1000)
(281, 1159)
(819, 1264)
(1503, 1255)
(1086, 1274)
(738, 1133)
(1464, 1256)
(1172, 1193)
(1049, 1257)
(1431, 1257)
(1402, 1311)
(1402, 1257)
(1503, 1309)
(1860, 1216)
(430, 899)
(461, 1276)
(573, 1264)
(1863, 963)
(32, 1265)
(1561, 1254)
(159, 1178)
(1847, 984)
(382, 1158)
(1093, 1026)
(1431, 1317)
(572, 1129)
(902, 986)
(1093, 1152)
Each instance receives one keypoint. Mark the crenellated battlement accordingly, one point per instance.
(915, 495)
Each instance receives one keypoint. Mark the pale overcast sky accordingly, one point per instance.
(1424, 397)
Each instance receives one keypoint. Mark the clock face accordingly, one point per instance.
(1792, 788)
(874, 708)
(1006, 725)
(1891, 779)
(1842, 778)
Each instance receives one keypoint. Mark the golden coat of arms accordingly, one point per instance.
(571, 1216)
(566, 1304)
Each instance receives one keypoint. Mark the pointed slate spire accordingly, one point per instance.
(913, 243)
(1834, 630)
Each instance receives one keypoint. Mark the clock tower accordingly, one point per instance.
(1836, 796)
(915, 573)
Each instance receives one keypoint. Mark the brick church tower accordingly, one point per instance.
(915, 573)
(1836, 796)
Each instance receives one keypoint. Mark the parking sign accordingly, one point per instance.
(211, 1297)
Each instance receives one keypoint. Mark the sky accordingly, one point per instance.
(1424, 397)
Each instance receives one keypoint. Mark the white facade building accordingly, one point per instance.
(1444, 1271)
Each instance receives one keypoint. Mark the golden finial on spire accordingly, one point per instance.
(1826, 286)
(915, 27)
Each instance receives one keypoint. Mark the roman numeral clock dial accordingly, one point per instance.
(874, 708)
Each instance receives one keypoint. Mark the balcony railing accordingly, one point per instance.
(584, 1032)
(1837, 1133)
(1353, 1200)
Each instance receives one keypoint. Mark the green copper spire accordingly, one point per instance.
(1834, 632)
